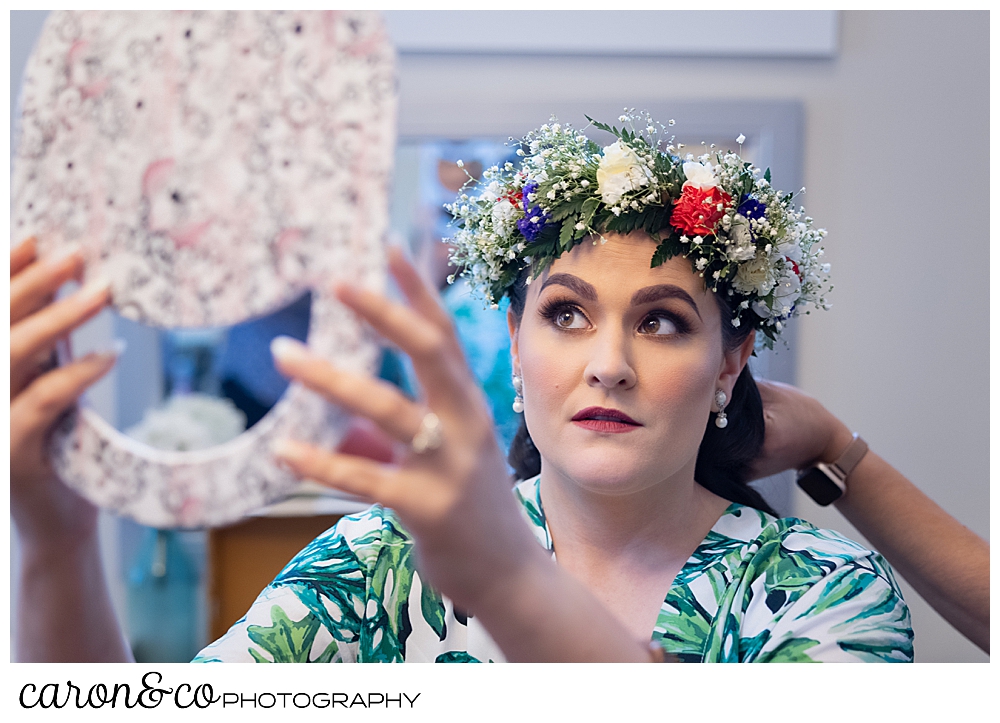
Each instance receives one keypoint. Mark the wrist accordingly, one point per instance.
(48, 514)
(59, 557)
(56, 536)
(838, 439)
(518, 582)
(826, 481)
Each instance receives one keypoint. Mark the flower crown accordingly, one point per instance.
(745, 238)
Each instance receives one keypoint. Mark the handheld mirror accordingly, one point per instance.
(214, 166)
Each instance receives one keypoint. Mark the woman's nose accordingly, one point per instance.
(609, 365)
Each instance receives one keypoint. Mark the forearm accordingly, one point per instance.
(945, 562)
(546, 615)
(64, 610)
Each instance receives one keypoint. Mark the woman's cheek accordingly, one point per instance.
(543, 384)
(547, 374)
(683, 387)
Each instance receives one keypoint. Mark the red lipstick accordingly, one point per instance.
(601, 419)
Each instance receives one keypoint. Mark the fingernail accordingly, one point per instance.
(96, 287)
(285, 347)
(345, 291)
(288, 450)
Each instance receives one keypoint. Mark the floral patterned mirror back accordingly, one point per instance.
(214, 166)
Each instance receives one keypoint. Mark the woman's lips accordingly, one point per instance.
(600, 419)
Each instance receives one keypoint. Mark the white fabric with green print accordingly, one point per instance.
(757, 589)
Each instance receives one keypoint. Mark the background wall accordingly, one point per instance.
(903, 355)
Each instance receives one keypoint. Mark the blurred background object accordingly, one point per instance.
(163, 604)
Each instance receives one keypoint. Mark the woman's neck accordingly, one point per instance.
(627, 548)
(654, 525)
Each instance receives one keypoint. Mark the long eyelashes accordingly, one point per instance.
(552, 309)
(549, 308)
(680, 324)
(556, 309)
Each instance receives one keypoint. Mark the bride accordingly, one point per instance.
(632, 535)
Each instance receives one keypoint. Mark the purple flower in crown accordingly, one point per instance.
(529, 188)
(531, 226)
(751, 208)
(535, 218)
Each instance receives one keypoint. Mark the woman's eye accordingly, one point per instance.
(569, 318)
(659, 325)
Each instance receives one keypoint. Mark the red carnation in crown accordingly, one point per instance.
(698, 210)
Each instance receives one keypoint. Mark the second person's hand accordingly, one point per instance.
(799, 431)
(44, 510)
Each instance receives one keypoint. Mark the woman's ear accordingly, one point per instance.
(733, 363)
(512, 327)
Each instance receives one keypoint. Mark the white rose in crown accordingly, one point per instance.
(699, 175)
(754, 276)
(620, 171)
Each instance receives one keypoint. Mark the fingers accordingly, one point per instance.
(416, 335)
(422, 298)
(36, 336)
(38, 407)
(22, 255)
(354, 475)
(34, 286)
(375, 399)
(364, 439)
(434, 351)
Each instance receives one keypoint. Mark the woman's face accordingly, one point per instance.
(620, 364)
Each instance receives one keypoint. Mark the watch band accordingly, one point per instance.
(850, 457)
(825, 483)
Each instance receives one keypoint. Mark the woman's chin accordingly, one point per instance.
(606, 471)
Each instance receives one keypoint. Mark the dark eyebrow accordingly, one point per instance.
(573, 283)
(649, 294)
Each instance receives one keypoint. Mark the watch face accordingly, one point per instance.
(819, 486)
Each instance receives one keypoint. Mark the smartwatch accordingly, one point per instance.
(825, 482)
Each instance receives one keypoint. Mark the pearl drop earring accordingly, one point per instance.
(720, 402)
(518, 405)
